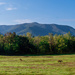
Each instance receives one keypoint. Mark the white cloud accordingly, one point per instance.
(10, 8)
(23, 21)
(2, 3)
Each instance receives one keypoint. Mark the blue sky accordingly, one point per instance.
(41, 11)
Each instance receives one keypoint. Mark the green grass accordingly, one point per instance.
(37, 65)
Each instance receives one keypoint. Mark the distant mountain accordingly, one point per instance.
(37, 29)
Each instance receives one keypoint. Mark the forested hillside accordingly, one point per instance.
(37, 29)
(12, 44)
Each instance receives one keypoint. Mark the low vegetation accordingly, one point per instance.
(12, 44)
(37, 65)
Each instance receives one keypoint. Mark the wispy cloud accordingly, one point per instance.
(23, 21)
(2, 3)
(8, 6)
(11, 8)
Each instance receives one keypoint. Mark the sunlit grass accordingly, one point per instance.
(37, 65)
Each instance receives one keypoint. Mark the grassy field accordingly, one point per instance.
(37, 65)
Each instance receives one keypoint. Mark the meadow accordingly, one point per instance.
(37, 65)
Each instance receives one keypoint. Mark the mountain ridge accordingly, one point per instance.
(37, 29)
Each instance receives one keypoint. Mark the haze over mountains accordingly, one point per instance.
(37, 29)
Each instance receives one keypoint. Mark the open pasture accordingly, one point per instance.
(37, 65)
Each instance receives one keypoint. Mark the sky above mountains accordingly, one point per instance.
(41, 11)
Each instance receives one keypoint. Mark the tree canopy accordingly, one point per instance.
(12, 44)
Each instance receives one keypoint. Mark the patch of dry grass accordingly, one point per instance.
(37, 65)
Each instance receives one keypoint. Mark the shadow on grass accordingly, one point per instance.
(39, 55)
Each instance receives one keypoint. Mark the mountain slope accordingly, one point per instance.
(37, 29)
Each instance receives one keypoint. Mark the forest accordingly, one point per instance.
(12, 44)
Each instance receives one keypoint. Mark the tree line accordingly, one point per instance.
(12, 44)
